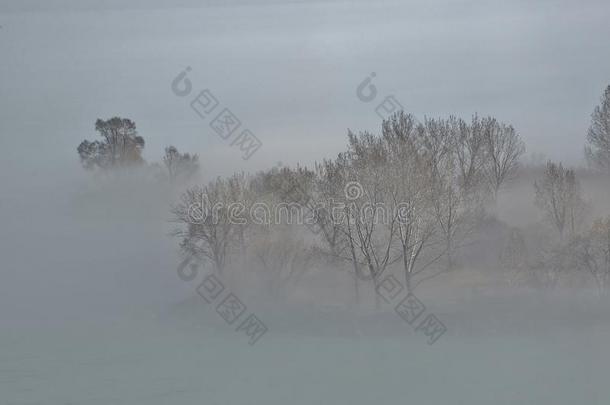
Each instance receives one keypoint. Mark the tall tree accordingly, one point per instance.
(208, 227)
(413, 157)
(559, 196)
(121, 146)
(368, 225)
(503, 149)
(469, 147)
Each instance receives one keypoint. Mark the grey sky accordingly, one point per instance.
(289, 71)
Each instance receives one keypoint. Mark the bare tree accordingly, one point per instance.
(328, 190)
(449, 154)
(209, 230)
(598, 137)
(413, 158)
(452, 212)
(122, 146)
(593, 253)
(503, 149)
(284, 257)
(455, 152)
(330, 217)
(370, 225)
(469, 149)
(280, 247)
(559, 196)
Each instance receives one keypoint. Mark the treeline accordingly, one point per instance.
(420, 191)
(404, 201)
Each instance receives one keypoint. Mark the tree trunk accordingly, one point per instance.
(407, 268)
(449, 247)
(357, 291)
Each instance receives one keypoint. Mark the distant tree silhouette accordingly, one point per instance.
(121, 146)
(559, 196)
(180, 165)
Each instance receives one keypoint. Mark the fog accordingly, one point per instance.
(93, 307)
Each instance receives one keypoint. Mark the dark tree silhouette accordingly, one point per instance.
(121, 146)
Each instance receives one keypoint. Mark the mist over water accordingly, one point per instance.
(92, 309)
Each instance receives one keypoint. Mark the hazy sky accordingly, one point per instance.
(290, 71)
